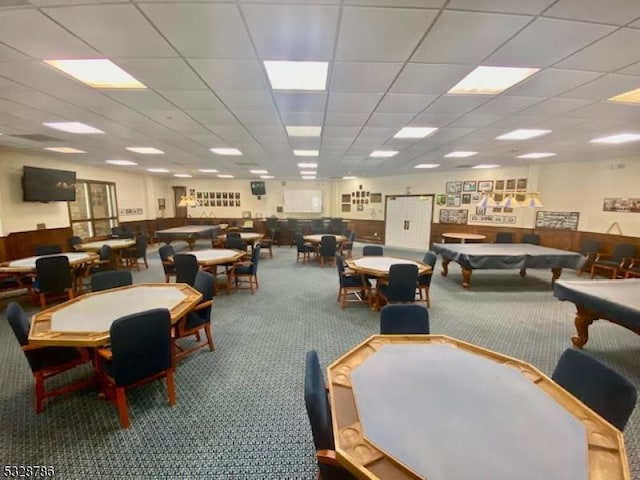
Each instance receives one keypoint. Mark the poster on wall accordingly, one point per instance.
(624, 205)
(453, 216)
(557, 220)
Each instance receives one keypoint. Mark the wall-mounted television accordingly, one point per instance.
(48, 185)
(257, 188)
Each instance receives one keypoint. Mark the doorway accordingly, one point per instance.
(408, 221)
(178, 193)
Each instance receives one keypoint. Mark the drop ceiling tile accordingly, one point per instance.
(231, 74)
(363, 77)
(604, 87)
(632, 69)
(162, 73)
(300, 102)
(340, 132)
(617, 12)
(513, 123)
(546, 41)
(310, 31)
(397, 3)
(192, 99)
(456, 104)
(353, 102)
(56, 3)
(550, 82)
(253, 118)
(340, 119)
(431, 120)
(213, 117)
(50, 42)
(467, 37)
(429, 79)
(140, 100)
(381, 34)
(608, 54)
(506, 105)
(114, 30)
(7, 53)
(302, 118)
(247, 100)
(532, 7)
(214, 30)
(396, 121)
(401, 103)
(553, 106)
(377, 132)
(475, 121)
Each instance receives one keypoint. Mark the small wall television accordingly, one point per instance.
(257, 188)
(48, 185)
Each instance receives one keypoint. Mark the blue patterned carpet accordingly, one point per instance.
(240, 411)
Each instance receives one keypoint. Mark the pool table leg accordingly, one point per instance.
(445, 266)
(584, 318)
(523, 272)
(466, 277)
(556, 272)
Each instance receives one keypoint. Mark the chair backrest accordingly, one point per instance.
(110, 279)
(141, 246)
(165, 252)
(235, 243)
(599, 387)
(105, 252)
(317, 403)
(255, 257)
(271, 223)
(328, 246)
(623, 250)
(403, 278)
(531, 238)
(73, 241)
(300, 242)
(373, 251)
(504, 237)
(186, 268)
(20, 325)
(404, 318)
(54, 274)
(590, 245)
(47, 249)
(234, 235)
(205, 284)
(141, 345)
(430, 259)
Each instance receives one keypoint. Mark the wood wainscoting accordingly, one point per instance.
(23, 244)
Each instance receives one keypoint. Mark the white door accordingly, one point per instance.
(408, 221)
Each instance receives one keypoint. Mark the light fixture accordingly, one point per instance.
(491, 80)
(157, 170)
(533, 201)
(121, 162)
(349, 177)
(182, 175)
(285, 75)
(226, 151)
(97, 73)
(308, 172)
(72, 127)
(619, 138)
(460, 154)
(383, 153)
(414, 132)
(487, 201)
(307, 165)
(225, 176)
(628, 97)
(427, 165)
(308, 177)
(485, 166)
(306, 153)
(145, 150)
(537, 155)
(304, 131)
(188, 201)
(509, 202)
(64, 150)
(266, 177)
(257, 172)
(523, 134)
(208, 170)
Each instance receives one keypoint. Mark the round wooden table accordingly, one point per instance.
(463, 237)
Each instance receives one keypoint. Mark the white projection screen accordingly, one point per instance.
(303, 201)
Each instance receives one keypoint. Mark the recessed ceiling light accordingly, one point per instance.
(157, 170)
(383, 153)
(427, 165)
(414, 132)
(259, 171)
(266, 177)
(225, 176)
(72, 127)
(308, 177)
(226, 151)
(308, 172)
(304, 131)
(97, 73)
(208, 170)
(306, 153)
(182, 175)
(63, 149)
(485, 165)
(460, 154)
(523, 134)
(349, 177)
(491, 80)
(537, 155)
(145, 150)
(628, 97)
(308, 165)
(297, 75)
(121, 162)
(619, 138)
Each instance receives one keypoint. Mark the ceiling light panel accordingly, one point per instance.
(63, 149)
(523, 134)
(306, 153)
(537, 155)
(121, 162)
(297, 75)
(258, 172)
(145, 150)
(208, 170)
(414, 132)
(308, 177)
(491, 80)
(157, 170)
(349, 177)
(308, 172)
(72, 127)
(97, 73)
(226, 151)
(182, 175)
(619, 138)
(427, 165)
(266, 177)
(308, 165)
(460, 154)
(304, 131)
(485, 165)
(383, 153)
(225, 176)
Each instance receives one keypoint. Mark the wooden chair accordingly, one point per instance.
(54, 279)
(139, 251)
(140, 351)
(589, 249)
(46, 362)
(424, 281)
(373, 251)
(401, 287)
(617, 261)
(304, 249)
(633, 270)
(351, 283)
(166, 253)
(266, 243)
(248, 270)
(327, 249)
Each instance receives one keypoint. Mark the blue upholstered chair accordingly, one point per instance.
(306, 249)
(589, 249)
(346, 247)
(328, 248)
(234, 234)
(319, 413)
(45, 362)
(351, 283)
(197, 319)
(186, 268)
(139, 251)
(404, 319)
(247, 270)
(401, 287)
(140, 351)
(166, 253)
(54, 278)
(373, 251)
(531, 238)
(616, 262)
(504, 237)
(73, 241)
(234, 243)
(110, 279)
(599, 387)
(106, 260)
(424, 281)
(47, 250)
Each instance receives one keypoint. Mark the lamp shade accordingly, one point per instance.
(532, 201)
(509, 202)
(486, 201)
(187, 201)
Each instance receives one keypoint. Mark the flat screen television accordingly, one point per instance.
(257, 188)
(48, 185)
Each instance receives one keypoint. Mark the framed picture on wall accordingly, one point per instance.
(469, 186)
(442, 200)
(499, 185)
(521, 184)
(376, 198)
(453, 200)
(511, 184)
(454, 187)
(485, 185)
(466, 198)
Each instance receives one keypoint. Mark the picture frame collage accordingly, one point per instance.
(218, 199)
(516, 187)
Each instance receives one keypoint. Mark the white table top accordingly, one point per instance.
(381, 263)
(29, 264)
(115, 244)
(188, 229)
(216, 255)
(317, 238)
(245, 236)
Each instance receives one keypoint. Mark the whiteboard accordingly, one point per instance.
(303, 201)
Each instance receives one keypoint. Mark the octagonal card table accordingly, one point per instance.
(28, 264)
(432, 407)
(317, 238)
(85, 321)
(117, 246)
(248, 238)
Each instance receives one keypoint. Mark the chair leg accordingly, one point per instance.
(166, 278)
(146, 264)
(123, 411)
(43, 301)
(207, 331)
(171, 387)
(39, 377)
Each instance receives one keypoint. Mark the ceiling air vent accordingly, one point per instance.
(36, 137)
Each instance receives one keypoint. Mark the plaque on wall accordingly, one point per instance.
(453, 216)
(557, 220)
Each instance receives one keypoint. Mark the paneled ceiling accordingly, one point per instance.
(391, 63)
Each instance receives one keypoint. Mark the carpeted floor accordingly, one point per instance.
(240, 411)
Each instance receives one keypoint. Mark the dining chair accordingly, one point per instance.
(633, 270)
(247, 270)
(47, 250)
(504, 237)
(404, 319)
(372, 251)
(166, 253)
(186, 268)
(234, 243)
(424, 281)
(46, 362)
(234, 234)
(304, 249)
(197, 319)
(319, 412)
(140, 351)
(531, 238)
(266, 242)
(110, 279)
(346, 247)
(598, 386)
(622, 255)
(401, 287)
(53, 279)
(73, 241)
(139, 251)
(327, 249)
(351, 283)
(589, 249)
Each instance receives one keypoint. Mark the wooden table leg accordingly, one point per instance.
(523, 272)
(584, 318)
(556, 272)
(445, 266)
(466, 277)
